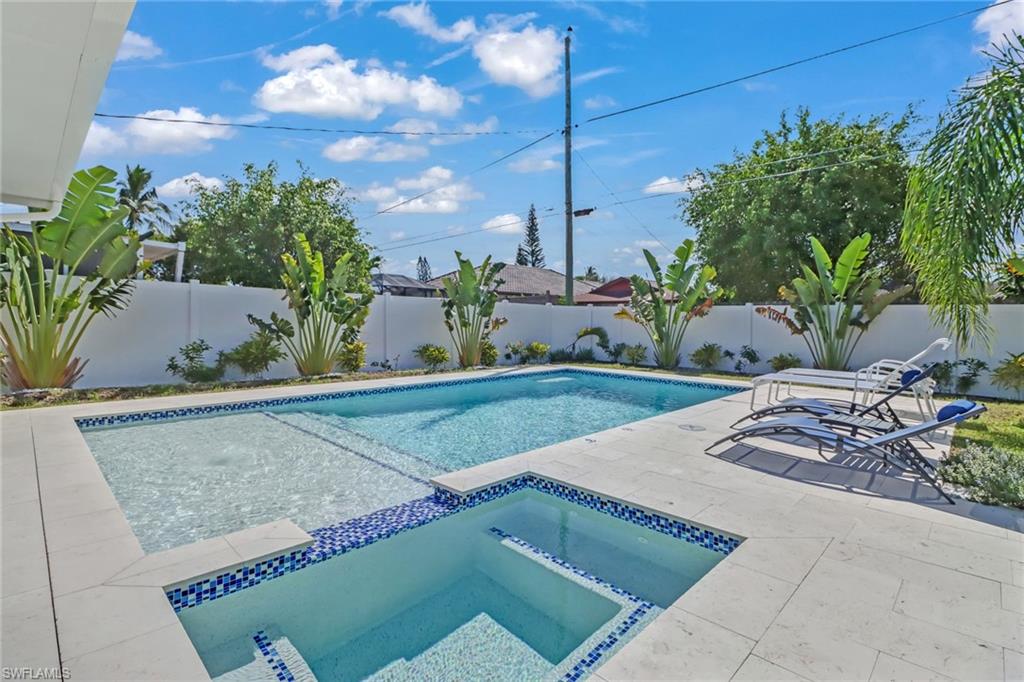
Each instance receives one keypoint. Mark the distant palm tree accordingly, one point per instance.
(965, 199)
(145, 210)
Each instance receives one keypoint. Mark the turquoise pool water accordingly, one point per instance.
(454, 600)
(318, 463)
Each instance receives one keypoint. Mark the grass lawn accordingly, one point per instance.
(1002, 426)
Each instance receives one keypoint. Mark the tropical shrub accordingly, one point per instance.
(469, 305)
(665, 306)
(515, 351)
(583, 355)
(635, 354)
(254, 355)
(46, 313)
(987, 474)
(193, 367)
(615, 352)
(352, 356)
(1009, 374)
(488, 353)
(833, 306)
(433, 356)
(960, 376)
(561, 355)
(783, 361)
(535, 351)
(707, 356)
(330, 310)
(598, 333)
(748, 358)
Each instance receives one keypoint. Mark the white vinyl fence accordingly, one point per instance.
(132, 348)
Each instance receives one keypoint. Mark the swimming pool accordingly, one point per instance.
(194, 473)
(541, 582)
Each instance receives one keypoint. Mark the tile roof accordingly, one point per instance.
(523, 280)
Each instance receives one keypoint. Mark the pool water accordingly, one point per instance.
(472, 596)
(318, 463)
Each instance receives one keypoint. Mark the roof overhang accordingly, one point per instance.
(54, 60)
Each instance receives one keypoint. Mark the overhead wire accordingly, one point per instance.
(798, 62)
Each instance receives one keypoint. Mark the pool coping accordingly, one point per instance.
(771, 609)
(84, 548)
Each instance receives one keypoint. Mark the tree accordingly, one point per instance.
(423, 269)
(468, 307)
(237, 234)
(45, 313)
(145, 210)
(330, 308)
(834, 305)
(752, 225)
(590, 275)
(530, 251)
(665, 305)
(965, 199)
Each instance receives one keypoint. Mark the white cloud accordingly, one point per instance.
(447, 196)
(417, 126)
(137, 46)
(363, 148)
(177, 138)
(102, 139)
(528, 59)
(588, 76)
(333, 8)
(182, 187)
(599, 102)
(435, 176)
(667, 185)
(506, 223)
(395, 235)
(1001, 21)
(420, 18)
(317, 81)
(533, 164)
(228, 85)
(758, 86)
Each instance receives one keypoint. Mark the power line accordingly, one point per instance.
(307, 129)
(612, 192)
(798, 62)
(467, 175)
(489, 228)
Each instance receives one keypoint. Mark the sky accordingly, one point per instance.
(496, 69)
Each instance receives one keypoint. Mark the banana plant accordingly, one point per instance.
(665, 305)
(330, 311)
(57, 279)
(469, 307)
(834, 305)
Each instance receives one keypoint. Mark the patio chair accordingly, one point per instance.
(818, 407)
(864, 383)
(893, 448)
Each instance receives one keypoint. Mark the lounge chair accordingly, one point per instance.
(819, 407)
(864, 383)
(893, 447)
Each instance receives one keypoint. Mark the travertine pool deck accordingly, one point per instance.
(847, 572)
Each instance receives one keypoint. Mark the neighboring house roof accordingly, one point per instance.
(523, 280)
(388, 280)
(611, 292)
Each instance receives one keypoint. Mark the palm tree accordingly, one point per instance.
(965, 199)
(145, 210)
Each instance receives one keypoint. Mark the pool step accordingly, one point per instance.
(327, 428)
(275, 659)
(480, 649)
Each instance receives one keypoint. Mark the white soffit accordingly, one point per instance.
(55, 59)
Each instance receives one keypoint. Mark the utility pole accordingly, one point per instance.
(568, 173)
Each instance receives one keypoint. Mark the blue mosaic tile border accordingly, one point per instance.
(250, 405)
(346, 536)
(273, 659)
(585, 664)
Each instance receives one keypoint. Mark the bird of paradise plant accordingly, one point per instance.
(834, 305)
(469, 307)
(665, 306)
(57, 279)
(330, 310)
